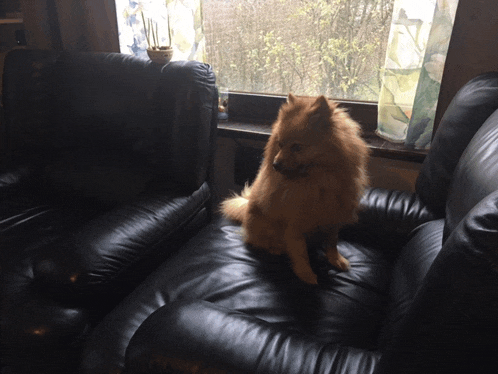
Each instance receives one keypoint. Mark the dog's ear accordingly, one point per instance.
(291, 99)
(321, 112)
(321, 106)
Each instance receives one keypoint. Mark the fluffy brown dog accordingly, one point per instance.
(311, 179)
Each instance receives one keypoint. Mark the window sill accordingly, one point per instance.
(262, 130)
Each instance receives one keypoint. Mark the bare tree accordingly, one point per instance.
(331, 47)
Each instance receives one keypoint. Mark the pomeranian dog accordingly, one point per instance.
(311, 179)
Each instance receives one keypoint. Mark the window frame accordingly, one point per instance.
(251, 115)
(253, 107)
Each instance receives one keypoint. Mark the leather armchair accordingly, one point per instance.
(421, 295)
(107, 172)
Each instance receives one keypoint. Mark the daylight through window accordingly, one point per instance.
(308, 47)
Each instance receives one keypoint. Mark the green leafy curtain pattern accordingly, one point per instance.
(185, 22)
(416, 53)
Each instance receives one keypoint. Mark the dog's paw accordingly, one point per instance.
(302, 269)
(309, 278)
(306, 275)
(342, 264)
(338, 261)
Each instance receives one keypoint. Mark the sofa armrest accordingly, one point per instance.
(393, 210)
(451, 326)
(94, 259)
(188, 334)
(386, 218)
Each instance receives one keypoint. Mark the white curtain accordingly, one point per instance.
(416, 53)
(185, 23)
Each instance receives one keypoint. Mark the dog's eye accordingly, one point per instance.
(296, 148)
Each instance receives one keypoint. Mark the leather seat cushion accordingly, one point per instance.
(217, 267)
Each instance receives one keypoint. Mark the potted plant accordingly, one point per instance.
(157, 53)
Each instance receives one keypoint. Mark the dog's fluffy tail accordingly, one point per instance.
(235, 207)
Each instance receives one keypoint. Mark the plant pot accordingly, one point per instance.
(161, 55)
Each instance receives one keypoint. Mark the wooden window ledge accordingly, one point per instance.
(379, 147)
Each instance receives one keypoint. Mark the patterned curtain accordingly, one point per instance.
(184, 18)
(416, 53)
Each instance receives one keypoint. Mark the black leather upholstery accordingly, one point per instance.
(468, 110)
(473, 177)
(115, 106)
(107, 173)
(452, 325)
(411, 302)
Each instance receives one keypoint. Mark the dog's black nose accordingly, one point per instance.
(278, 166)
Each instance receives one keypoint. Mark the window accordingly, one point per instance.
(263, 49)
(308, 47)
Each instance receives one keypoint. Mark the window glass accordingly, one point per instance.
(308, 47)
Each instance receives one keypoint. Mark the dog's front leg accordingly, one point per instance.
(298, 253)
(333, 255)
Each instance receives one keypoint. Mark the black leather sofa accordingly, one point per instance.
(421, 295)
(105, 172)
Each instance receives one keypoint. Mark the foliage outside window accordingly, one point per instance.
(308, 47)
(386, 51)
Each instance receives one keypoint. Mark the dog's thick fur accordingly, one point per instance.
(312, 177)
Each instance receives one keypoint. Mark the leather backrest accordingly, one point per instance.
(468, 110)
(476, 175)
(97, 123)
(451, 327)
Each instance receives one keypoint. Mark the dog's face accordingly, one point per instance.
(299, 139)
(292, 159)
